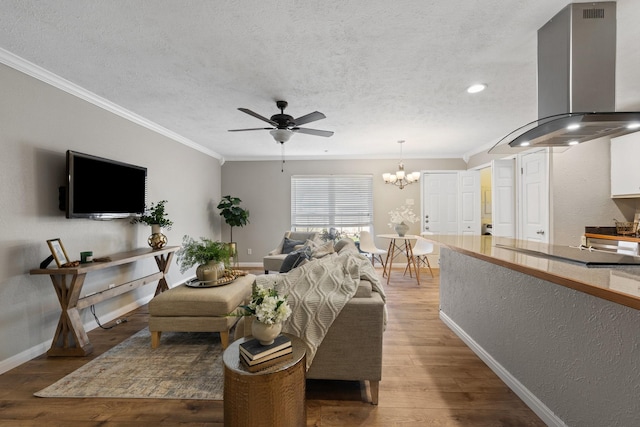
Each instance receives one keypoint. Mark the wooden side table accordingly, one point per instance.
(272, 397)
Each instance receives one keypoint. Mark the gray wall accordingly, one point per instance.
(38, 123)
(575, 352)
(266, 192)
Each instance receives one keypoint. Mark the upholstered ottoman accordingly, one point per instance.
(185, 309)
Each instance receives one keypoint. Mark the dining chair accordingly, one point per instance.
(367, 245)
(421, 251)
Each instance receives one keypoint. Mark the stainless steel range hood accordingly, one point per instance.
(576, 82)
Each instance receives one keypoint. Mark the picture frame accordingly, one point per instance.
(58, 252)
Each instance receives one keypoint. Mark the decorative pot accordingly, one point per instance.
(211, 271)
(401, 229)
(157, 240)
(265, 333)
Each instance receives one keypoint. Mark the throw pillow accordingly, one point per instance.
(289, 245)
(294, 259)
(322, 250)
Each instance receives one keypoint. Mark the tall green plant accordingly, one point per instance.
(233, 214)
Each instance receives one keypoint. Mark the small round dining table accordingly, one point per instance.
(399, 245)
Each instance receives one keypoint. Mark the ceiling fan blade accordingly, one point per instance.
(242, 130)
(257, 116)
(308, 118)
(315, 132)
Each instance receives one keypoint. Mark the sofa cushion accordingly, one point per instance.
(322, 250)
(289, 245)
(295, 259)
(364, 289)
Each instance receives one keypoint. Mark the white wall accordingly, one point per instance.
(38, 123)
(266, 192)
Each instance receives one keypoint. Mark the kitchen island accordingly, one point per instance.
(563, 336)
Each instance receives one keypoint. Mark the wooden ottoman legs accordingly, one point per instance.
(155, 339)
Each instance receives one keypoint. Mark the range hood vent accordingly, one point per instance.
(576, 82)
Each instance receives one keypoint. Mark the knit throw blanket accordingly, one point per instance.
(317, 292)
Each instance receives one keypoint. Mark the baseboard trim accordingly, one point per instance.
(40, 349)
(512, 382)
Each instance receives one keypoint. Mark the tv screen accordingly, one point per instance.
(100, 188)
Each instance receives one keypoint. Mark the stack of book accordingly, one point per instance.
(255, 356)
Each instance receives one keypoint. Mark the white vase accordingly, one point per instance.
(265, 333)
(401, 229)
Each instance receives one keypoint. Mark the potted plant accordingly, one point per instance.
(234, 216)
(399, 216)
(269, 309)
(157, 217)
(210, 256)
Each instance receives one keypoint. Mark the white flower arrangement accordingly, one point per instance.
(402, 214)
(268, 307)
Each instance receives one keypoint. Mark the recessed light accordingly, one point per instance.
(525, 144)
(574, 142)
(476, 88)
(633, 125)
(573, 126)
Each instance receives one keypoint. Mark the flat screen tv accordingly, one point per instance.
(100, 188)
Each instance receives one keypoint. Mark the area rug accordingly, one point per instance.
(184, 366)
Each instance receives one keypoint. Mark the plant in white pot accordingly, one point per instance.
(210, 256)
(157, 217)
(399, 218)
(269, 309)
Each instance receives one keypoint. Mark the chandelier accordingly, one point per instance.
(400, 178)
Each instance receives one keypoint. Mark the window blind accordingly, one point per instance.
(323, 201)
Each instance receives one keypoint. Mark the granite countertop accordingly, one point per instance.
(620, 284)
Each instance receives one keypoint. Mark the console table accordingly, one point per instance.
(70, 338)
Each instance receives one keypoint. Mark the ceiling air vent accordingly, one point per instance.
(593, 13)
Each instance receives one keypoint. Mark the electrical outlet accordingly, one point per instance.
(249, 252)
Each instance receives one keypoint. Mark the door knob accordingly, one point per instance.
(540, 232)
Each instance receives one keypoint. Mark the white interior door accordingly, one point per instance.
(440, 207)
(503, 193)
(535, 197)
(470, 215)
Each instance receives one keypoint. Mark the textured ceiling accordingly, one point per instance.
(380, 70)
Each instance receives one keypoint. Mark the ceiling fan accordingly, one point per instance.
(285, 125)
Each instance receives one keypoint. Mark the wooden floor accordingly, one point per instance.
(429, 378)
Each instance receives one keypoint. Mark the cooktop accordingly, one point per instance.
(582, 255)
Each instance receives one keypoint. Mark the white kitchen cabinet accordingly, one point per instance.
(625, 173)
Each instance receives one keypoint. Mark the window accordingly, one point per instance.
(321, 202)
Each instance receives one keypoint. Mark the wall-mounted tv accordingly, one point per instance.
(100, 188)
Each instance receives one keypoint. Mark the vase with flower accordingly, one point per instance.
(270, 310)
(399, 218)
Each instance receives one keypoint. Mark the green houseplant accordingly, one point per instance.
(233, 214)
(156, 216)
(210, 256)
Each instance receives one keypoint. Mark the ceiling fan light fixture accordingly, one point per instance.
(281, 135)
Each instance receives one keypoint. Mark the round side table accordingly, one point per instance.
(271, 397)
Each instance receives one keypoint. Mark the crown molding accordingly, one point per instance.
(20, 64)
